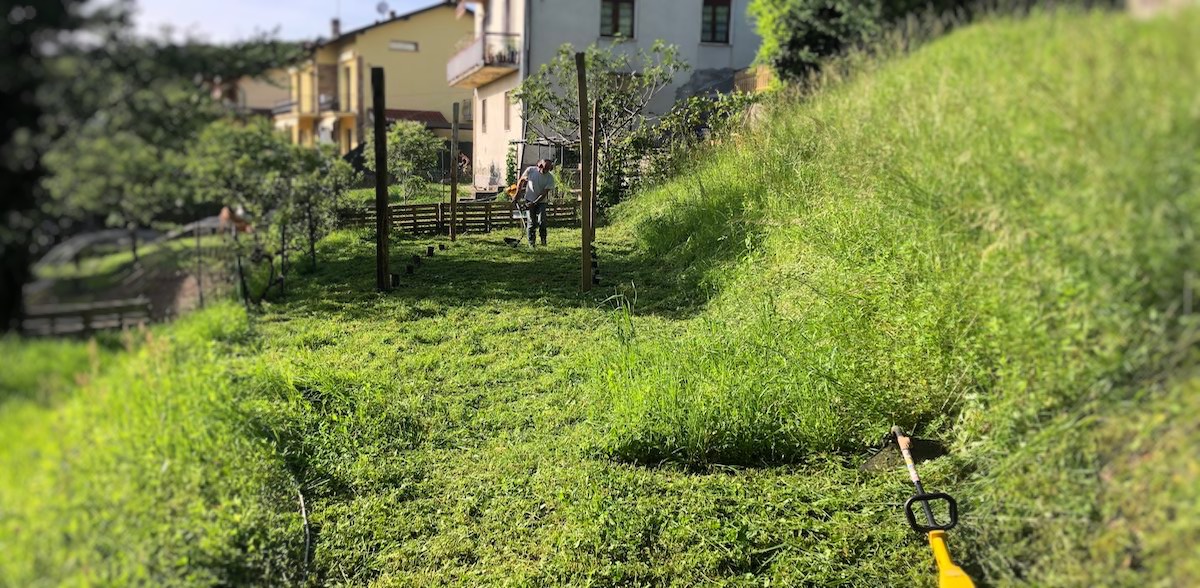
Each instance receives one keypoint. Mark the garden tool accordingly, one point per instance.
(949, 574)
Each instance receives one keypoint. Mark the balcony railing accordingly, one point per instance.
(327, 104)
(489, 57)
(283, 106)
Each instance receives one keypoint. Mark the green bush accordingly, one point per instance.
(670, 146)
(798, 34)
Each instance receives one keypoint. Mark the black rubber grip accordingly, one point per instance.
(924, 500)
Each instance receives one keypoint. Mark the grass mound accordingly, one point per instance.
(961, 242)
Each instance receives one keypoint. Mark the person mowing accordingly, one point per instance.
(537, 182)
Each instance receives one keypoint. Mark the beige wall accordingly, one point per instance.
(415, 80)
(491, 140)
(265, 92)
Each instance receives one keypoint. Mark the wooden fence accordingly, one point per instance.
(84, 319)
(473, 217)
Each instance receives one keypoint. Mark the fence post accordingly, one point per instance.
(454, 173)
(199, 266)
(595, 168)
(585, 278)
(383, 281)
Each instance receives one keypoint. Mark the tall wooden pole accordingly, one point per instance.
(199, 265)
(383, 280)
(595, 169)
(585, 172)
(454, 175)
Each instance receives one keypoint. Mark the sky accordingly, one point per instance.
(230, 20)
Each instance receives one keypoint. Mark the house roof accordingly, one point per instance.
(452, 4)
(431, 118)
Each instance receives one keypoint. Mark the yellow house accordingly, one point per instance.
(331, 96)
(254, 94)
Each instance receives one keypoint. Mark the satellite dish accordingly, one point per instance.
(381, 8)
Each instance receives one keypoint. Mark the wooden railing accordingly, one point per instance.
(86, 318)
(473, 217)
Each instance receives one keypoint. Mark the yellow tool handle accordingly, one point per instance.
(949, 575)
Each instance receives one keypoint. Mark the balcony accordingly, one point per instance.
(487, 59)
(283, 107)
(327, 104)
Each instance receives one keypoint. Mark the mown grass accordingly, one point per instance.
(699, 419)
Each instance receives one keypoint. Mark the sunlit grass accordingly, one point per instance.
(983, 242)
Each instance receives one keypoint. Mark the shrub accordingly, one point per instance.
(799, 34)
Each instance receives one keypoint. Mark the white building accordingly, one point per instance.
(515, 37)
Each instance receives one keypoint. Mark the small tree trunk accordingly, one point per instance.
(133, 243)
(312, 235)
(237, 247)
(283, 259)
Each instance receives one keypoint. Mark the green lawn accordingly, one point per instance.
(985, 241)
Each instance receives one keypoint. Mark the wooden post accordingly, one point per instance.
(585, 169)
(383, 280)
(595, 172)
(199, 266)
(454, 174)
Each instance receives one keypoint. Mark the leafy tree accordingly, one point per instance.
(117, 177)
(247, 164)
(620, 85)
(671, 144)
(31, 34)
(411, 149)
(236, 162)
(799, 34)
(70, 65)
(318, 179)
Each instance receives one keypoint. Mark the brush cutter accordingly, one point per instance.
(949, 574)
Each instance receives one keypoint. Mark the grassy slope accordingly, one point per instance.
(461, 430)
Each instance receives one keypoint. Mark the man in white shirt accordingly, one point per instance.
(536, 183)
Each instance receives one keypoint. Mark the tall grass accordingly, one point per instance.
(963, 241)
(142, 475)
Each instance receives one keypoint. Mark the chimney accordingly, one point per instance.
(392, 14)
(336, 27)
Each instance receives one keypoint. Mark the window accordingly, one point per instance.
(616, 18)
(507, 111)
(714, 23)
(483, 114)
(408, 46)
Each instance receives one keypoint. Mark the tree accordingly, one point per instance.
(30, 35)
(670, 145)
(620, 85)
(322, 180)
(68, 67)
(799, 34)
(411, 149)
(117, 177)
(247, 164)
